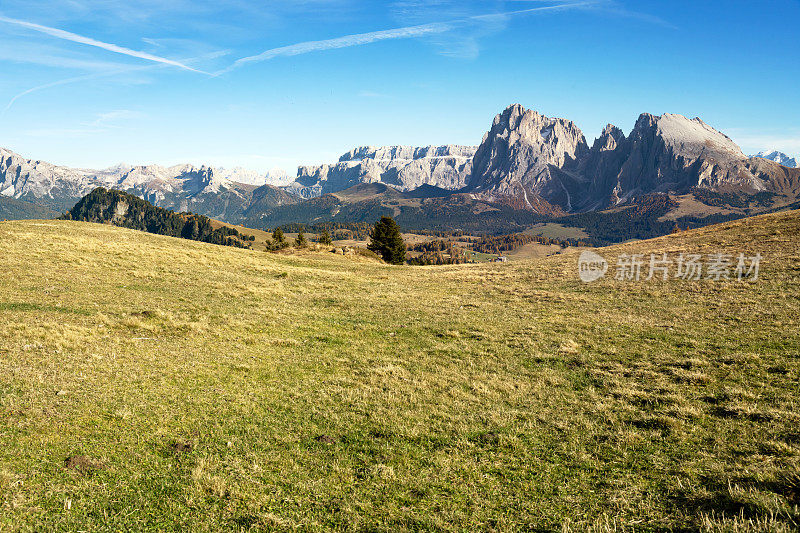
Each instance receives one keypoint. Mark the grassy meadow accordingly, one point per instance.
(154, 383)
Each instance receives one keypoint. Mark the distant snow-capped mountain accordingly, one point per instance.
(780, 158)
(214, 192)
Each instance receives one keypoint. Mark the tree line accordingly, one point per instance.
(128, 211)
(508, 243)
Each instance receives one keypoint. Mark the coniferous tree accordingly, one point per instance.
(325, 238)
(300, 241)
(278, 237)
(386, 241)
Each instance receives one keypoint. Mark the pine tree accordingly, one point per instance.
(386, 241)
(325, 238)
(300, 241)
(278, 237)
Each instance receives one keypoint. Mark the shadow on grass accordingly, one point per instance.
(25, 307)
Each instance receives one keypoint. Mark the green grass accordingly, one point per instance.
(552, 230)
(480, 257)
(210, 388)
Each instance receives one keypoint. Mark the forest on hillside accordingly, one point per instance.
(119, 208)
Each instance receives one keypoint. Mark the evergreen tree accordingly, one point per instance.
(278, 237)
(300, 241)
(386, 241)
(325, 238)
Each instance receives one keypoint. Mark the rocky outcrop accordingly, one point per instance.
(403, 167)
(128, 211)
(42, 183)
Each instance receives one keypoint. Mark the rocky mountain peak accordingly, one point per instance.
(690, 138)
(518, 156)
(521, 127)
(780, 158)
(609, 139)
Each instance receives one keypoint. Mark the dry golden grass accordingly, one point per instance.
(151, 383)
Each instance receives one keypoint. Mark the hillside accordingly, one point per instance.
(13, 209)
(149, 382)
(125, 210)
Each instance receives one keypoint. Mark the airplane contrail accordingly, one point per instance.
(97, 75)
(68, 36)
(396, 33)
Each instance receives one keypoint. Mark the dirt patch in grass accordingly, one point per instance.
(181, 447)
(83, 464)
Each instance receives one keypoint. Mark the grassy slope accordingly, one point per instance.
(218, 388)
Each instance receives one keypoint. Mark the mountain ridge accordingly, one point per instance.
(403, 167)
(179, 187)
(528, 166)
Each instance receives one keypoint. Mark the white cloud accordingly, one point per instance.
(107, 74)
(101, 123)
(107, 120)
(371, 94)
(68, 36)
(47, 56)
(74, 79)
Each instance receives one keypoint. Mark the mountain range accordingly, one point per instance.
(528, 168)
(205, 190)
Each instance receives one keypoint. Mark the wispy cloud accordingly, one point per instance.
(73, 37)
(103, 122)
(406, 32)
(371, 94)
(98, 75)
(48, 56)
(74, 79)
(109, 119)
(340, 42)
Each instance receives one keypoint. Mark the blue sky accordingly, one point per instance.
(277, 83)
